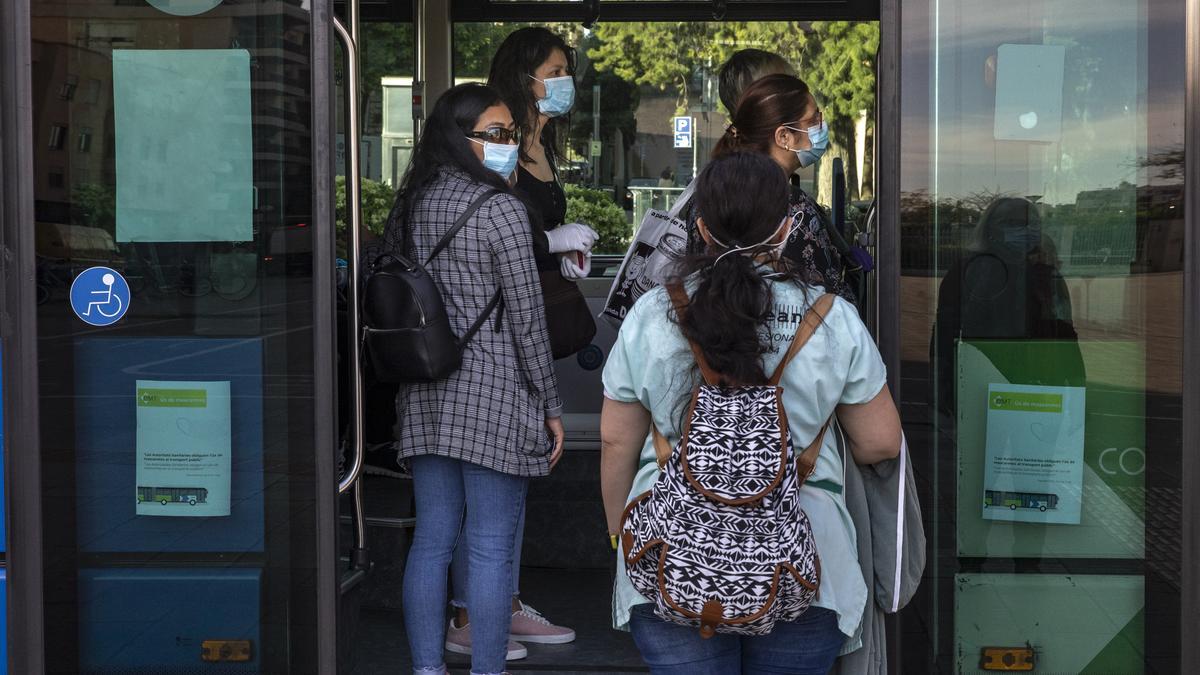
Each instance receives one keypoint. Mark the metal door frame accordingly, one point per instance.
(324, 332)
(18, 329)
(1190, 480)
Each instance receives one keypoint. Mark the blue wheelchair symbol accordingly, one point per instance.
(100, 296)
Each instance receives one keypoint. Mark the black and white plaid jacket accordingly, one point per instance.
(493, 411)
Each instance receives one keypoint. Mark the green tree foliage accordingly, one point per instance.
(597, 209)
(836, 58)
(476, 43)
(661, 55)
(377, 201)
(839, 64)
(474, 46)
(94, 205)
(387, 51)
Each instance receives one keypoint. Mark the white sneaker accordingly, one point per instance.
(528, 625)
(458, 640)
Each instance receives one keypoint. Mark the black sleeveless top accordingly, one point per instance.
(549, 203)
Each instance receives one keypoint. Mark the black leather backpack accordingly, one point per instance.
(406, 330)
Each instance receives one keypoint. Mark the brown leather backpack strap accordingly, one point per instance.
(680, 299)
(806, 462)
(812, 319)
(662, 447)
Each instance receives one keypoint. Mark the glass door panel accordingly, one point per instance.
(175, 231)
(1041, 320)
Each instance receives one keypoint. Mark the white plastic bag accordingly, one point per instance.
(661, 240)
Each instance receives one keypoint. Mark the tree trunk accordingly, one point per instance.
(868, 178)
(841, 144)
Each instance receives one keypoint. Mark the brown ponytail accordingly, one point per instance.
(766, 105)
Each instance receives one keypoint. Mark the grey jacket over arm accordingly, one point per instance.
(882, 501)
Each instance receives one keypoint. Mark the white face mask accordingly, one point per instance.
(774, 250)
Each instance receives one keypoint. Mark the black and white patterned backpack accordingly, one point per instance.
(720, 542)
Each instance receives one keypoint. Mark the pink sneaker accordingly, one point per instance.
(528, 625)
(458, 640)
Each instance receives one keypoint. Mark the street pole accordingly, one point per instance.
(595, 157)
(695, 144)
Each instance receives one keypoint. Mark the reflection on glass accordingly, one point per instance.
(1040, 320)
(176, 443)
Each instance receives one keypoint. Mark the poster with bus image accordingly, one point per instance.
(1033, 463)
(183, 448)
(1111, 523)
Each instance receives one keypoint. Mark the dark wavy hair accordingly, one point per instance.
(521, 53)
(767, 104)
(742, 198)
(443, 146)
(745, 67)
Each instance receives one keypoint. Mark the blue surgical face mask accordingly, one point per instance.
(560, 95)
(1022, 239)
(818, 140)
(499, 157)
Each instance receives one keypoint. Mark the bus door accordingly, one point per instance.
(620, 159)
(183, 252)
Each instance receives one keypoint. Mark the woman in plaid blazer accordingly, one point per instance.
(474, 439)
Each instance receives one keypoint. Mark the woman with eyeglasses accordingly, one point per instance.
(475, 439)
(778, 116)
(533, 71)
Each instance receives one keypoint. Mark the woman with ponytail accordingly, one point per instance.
(777, 116)
(745, 302)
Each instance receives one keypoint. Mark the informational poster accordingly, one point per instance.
(184, 145)
(1033, 470)
(1111, 522)
(184, 439)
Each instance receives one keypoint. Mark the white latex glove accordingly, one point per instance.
(571, 237)
(570, 268)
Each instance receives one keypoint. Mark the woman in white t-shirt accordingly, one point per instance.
(745, 304)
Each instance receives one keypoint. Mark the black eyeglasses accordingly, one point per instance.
(497, 135)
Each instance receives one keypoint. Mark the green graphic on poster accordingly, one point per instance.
(1091, 624)
(1110, 491)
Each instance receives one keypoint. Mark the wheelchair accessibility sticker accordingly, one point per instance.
(100, 296)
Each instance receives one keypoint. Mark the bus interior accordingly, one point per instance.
(621, 159)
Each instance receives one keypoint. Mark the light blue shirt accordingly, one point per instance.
(652, 365)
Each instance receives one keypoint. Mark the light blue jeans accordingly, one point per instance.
(485, 506)
(458, 567)
(807, 646)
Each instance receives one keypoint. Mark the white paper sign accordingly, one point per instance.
(184, 439)
(184, 154)
(1033, 470)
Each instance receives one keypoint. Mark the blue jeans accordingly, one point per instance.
(484, 505)
(807, 646)
(459, 565)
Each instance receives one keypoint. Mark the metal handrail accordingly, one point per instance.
(353, 224)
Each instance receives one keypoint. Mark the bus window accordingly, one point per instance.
(658, 112)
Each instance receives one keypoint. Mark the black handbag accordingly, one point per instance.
(569, 321)
(406, 330)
